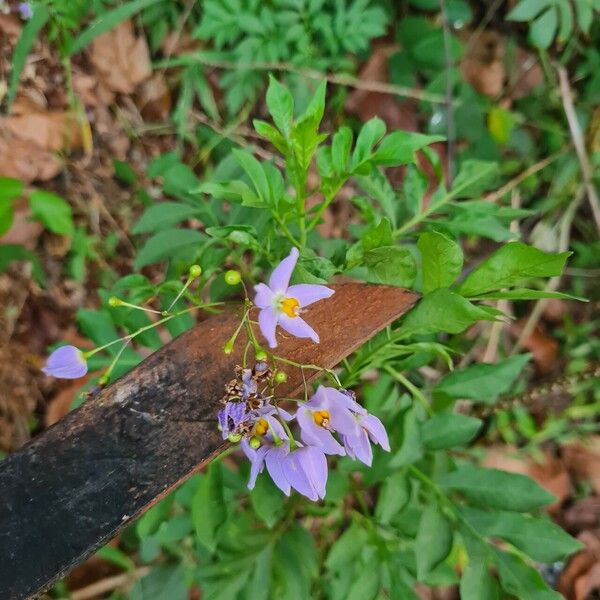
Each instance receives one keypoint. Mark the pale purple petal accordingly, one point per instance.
(275, 426)
(269, 409)
(257, 465)
(280, 278)
(337, 398)
(267, 321)
(358, 447)
(376, 431)
(248, 450)
(314, 464)
(264, 296)
(66, 362)
(307, 293)
(342, 420)
(315, 435)
(298, 327)
(297, 478)
(274, 461)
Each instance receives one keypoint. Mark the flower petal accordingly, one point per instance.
(358, 447)
(307, 293)
(376, 431)
(264, 296)
(274, 461)
(294, 473)
(342, 420)
(298, 327)
(280, 278)
(267, 321)
(258, 463)
(314, 464)
(66, 362)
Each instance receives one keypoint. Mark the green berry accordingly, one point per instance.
(261, 355)
(195, 271)
(232, 277)
(281, 377)
(114, 301)
(234, 438)
(254, 442)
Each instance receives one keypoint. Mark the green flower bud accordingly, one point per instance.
(195, 271)
(232, 277)
(281, 377)
(228, 347)
(254, 442)
(261, 355)
(114, 301)
(234, 438)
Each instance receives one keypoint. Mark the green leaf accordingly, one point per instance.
(394, 495)
(267, 501)
(477, 583)
(107, 21)
(526, 10)
(442, 260)
(259, 586)
(255, 172)
(161, 583)
(526, 294)
(165, 244)
(208, 506)
(51, 210)
(433, 542)
(365, 586)
(391, 265)
(372, 131)
(281, 105)
(510, 265)
(448, 429)
(234, 191)
(271, 133)
(346, 547)
(10, 189)
(540, 539)
(483, 382)
(474, 177)
(23, 47)
(316, 107)
(378, 236)
(399, 147)
(521, 580)
(116, 557)
(163, 215)
(443, 311)
(341, 145)
(496, 489)
(543, 29)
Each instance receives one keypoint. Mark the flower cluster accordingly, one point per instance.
(330, 422)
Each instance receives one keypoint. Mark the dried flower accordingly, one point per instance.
(281, 303)
(66, 362)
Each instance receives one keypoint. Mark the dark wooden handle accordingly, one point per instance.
(79, 483)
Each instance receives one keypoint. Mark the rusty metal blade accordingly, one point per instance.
(78, 484)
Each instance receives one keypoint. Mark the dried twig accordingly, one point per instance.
(103, 586)
(579, 142)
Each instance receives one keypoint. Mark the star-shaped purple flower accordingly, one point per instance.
(281, 303)
(327, 411)
(66, 362)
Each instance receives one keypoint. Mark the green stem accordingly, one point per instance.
(414, 390)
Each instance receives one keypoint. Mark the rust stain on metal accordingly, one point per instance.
(65, 493)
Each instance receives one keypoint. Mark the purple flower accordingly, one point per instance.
(281, 303)
(306, 471)
(357, 444)
(328, 410)
(66, 362)
(272, 453)
(231, 416)
(25, 10)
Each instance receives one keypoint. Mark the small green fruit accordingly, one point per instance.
(232, 277)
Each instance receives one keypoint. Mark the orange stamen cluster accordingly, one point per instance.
(321, 418)
(261, 427)
(290, 306)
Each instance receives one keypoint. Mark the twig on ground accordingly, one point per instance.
(578, 141)
(99, 588)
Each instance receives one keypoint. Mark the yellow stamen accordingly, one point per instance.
(321, 418)
(290, 306)
(261, 427)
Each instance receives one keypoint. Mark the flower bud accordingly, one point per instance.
(234, 438)
(281, 377)
(195, 271)
(228, 347)
(232, 277)
(260, 355)
(254, 442)
(114, 301)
